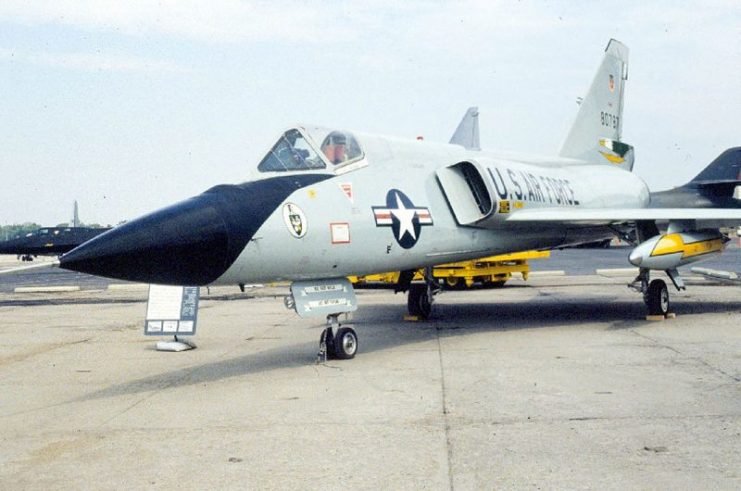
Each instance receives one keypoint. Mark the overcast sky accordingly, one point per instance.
(130, 106)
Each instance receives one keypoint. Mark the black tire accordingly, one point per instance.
(418, 302)
(454, 283)
(657, 298)
(345, 343)
(329, 343)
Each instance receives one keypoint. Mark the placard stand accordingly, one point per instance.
(172, 310)
(176, 345)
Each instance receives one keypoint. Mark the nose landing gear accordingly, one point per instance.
(337, 342)
(331, 298)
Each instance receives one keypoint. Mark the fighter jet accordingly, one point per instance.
(48, 241)
(717, 186)
(327, 203)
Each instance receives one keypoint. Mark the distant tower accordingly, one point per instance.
(75, 217)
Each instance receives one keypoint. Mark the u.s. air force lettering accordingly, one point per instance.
(535, 188)
(405, 219)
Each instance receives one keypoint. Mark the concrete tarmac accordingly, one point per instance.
(558, 382)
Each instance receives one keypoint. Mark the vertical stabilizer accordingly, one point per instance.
(467, 133)
(595, 135)
(726, 168)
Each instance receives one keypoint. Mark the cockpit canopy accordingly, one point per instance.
(297, 150)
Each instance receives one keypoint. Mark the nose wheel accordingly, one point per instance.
(337, 342)
(345, 343)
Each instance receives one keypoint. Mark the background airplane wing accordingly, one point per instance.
(727, 276)
(711, 217)
(18, 269)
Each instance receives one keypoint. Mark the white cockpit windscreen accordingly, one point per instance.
(291, 152)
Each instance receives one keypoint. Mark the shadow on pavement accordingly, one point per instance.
(380, 327)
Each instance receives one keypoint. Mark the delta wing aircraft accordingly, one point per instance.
(327, 203)
(717, 186)
(50, 241)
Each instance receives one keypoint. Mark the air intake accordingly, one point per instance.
(466, 192)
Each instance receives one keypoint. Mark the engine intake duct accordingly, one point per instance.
(467, 191)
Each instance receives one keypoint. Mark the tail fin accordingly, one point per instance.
(595, 135)
(467, 133)
(722, 177)
(726, 168)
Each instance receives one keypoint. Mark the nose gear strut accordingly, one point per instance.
(337, 342)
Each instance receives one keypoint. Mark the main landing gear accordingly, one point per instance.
(655, 292)
(419, 301)
(337, 342)
(421, 296)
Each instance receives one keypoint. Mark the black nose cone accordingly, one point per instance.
(184, 244)
(193, 242)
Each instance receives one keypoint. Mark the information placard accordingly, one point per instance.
(171, 310)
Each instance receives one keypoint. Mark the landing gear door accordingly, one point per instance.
(320, 298)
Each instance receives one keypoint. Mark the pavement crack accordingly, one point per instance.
(39, 350)
(444, 404)
(695, 358)
(177, 380)
(598, 419)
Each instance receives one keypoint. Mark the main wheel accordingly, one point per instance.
(345, 343)
(657, 298)
(418, 302)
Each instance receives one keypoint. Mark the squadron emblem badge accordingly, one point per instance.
(295, 220)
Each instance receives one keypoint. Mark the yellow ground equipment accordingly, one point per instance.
(491, 271)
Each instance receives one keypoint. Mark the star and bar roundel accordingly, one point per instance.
(405, 219)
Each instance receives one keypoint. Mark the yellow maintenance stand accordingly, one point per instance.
(491, 271)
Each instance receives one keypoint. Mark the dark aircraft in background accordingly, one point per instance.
(714, 187)
(48, 241)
